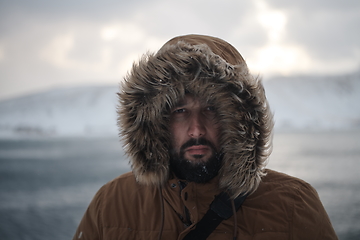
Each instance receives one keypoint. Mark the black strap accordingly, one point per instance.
(219, 210)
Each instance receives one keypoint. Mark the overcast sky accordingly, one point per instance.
(45, 44)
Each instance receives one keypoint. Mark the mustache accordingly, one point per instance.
(195, 142)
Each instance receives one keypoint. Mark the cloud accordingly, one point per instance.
(327, 30)
(2, 52)
(46, 43)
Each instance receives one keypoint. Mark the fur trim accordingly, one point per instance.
(181, 66)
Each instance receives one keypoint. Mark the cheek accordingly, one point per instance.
(174, 134)
(214, 134)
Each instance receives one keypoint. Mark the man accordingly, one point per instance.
(197, 128)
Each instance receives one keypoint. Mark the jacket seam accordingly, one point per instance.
(297, 191)
(100, 218)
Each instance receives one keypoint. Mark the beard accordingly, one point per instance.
(195, 171)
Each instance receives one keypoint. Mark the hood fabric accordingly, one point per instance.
(212, 70)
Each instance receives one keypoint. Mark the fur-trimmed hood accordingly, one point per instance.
(212, 69)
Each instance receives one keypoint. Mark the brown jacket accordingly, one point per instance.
(130, 207)
(283, 207)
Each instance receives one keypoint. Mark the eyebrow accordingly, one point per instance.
(181, 103)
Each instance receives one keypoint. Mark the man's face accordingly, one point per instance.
(194, 139)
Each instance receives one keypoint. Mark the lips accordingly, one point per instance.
(197, 149)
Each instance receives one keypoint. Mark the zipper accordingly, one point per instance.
(185, 218)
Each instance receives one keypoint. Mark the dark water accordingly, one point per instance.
(331, 163)
(46, 185)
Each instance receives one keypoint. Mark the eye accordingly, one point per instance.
(209, 112)
(210, 108)
(180, 110)
(179, 114)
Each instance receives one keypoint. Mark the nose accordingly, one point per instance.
(196, 126)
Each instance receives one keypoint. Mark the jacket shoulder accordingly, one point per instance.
(123, 181)
(278, 182)
(291, 205)
(281, 178)
(112, 210)
(122, 190)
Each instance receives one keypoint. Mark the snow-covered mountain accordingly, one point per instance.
(79, 111)
(315, 103)
(299, 103)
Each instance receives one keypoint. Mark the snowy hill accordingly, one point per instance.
(299, 103)
(315, 103)
(80, 111)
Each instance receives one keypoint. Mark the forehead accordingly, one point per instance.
(191, 100)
